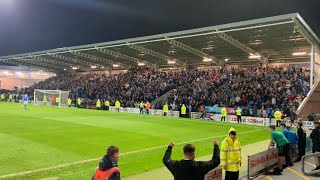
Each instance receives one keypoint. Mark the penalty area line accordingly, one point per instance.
(62, 166)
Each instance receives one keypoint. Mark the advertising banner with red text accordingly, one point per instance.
(260, 162)
(215, 174)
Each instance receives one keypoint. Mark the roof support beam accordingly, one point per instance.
(243, 47)
(74, 61)
(158, 55)
(305, 33)
(129, 58)
(194, 51)
(103, 60)
(64, 64)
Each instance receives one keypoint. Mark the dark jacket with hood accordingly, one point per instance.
(106, 163)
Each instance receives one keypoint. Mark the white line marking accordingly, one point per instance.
(97, 159)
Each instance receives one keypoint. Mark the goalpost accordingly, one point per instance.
(50, 97)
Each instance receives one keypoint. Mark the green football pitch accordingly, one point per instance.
(46, 142)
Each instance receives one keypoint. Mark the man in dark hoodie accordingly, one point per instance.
(302, 141)
(108, 167)
(188, 168)
(315, 137)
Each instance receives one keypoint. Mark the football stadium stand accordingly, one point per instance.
(259, 65)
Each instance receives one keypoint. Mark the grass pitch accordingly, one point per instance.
(68, 143)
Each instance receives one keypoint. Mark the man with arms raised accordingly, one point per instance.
(188, 168)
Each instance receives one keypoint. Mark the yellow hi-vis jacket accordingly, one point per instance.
(183, 109)
(165, 108)
(2, 96)
(238, 111)
(79, 101)
(230, 153)
(98, 103)
(57, 99)
(277, 115)
(141, 105)
(107, 103)
(117, 104)
(223, 112)
(10, 96)
(69, 102)
(44, 98)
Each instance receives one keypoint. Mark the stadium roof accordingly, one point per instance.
(271, 39)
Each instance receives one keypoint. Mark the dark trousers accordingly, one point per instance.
(147, 111)
(278, 123)
(232, 175)
(141, 110)
(223, 118)
(287, 154)
(239, 119)
(302, 150)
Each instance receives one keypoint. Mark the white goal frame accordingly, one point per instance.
(61, 104)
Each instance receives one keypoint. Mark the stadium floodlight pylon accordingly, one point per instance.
(45, 97)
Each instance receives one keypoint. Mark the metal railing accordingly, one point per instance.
(303, 163)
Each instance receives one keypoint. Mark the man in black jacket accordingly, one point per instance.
(315, 136)
(188, 168)
(302, 141)
(108, 166)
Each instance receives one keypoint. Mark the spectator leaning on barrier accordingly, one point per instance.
(108, 166)
(188, 168)
(231, 155)
(286, 133)
(283, 146)
(315, 137)
(293, 139)
(302, 141)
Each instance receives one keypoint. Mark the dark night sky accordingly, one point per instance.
(33, 25)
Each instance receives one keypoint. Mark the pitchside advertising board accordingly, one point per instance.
(261, 162)
(215, 174)
(233, 119)
(151, 111)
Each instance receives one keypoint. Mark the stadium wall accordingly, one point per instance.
(14, 77)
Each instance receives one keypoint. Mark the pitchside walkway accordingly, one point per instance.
(290, 173)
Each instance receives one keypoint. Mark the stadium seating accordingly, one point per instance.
(249, 87)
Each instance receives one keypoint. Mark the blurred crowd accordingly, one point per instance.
(252, 87)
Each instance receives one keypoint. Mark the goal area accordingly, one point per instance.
(51, 97)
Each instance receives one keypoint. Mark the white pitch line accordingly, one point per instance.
(97, 159)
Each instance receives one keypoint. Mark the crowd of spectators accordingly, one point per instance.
(129, 88)
(251, 87)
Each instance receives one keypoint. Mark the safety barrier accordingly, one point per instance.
(151, 111)
(302, 167)
(215, 174)
(233, 119)
(261, 162)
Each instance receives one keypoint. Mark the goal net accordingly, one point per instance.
(50, 97)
